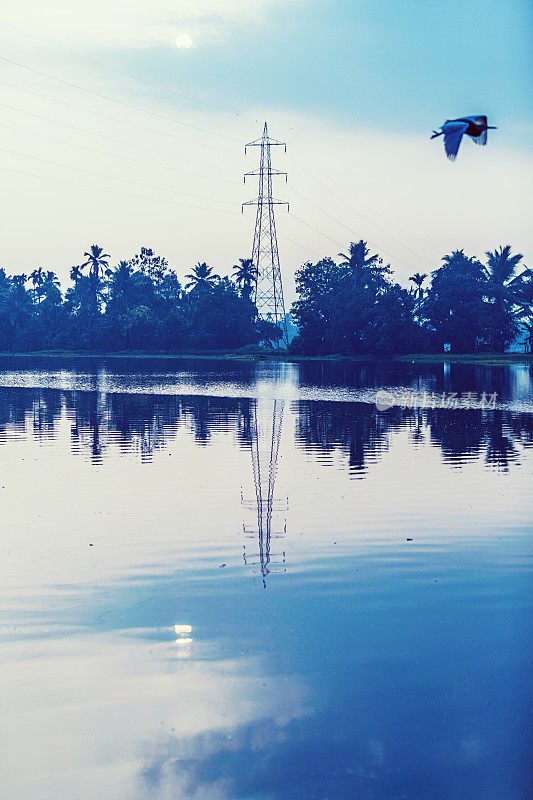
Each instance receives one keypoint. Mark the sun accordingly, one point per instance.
(183, 41)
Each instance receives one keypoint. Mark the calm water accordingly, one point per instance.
(223, 580)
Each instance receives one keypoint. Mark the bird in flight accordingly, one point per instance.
(453, 131)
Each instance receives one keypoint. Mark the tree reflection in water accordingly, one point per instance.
(145, 423)
(346, 742)
(363, 433)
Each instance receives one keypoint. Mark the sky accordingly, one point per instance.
(123, 124)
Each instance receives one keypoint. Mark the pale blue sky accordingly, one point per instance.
(355, 88)
(399, 65)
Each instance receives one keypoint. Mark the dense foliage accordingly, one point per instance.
(350, 307)
(138, 305)
(354, 307)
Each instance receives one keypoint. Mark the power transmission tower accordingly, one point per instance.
(269, 511)
(268, 296)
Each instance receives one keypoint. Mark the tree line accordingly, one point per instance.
(465, 306)
(349, 307)
(137, 305)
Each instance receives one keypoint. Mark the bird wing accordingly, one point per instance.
(453, 133)
(481, 138)
(476, 120)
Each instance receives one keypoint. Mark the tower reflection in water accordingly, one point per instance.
(265, 515)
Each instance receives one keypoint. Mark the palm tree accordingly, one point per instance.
(122, 274)
(418, 280)
(37, 278)
(52, 279)
(96, 261)
(75, 274)
(504, 287)
(52, 287)
(245, 274)
(201, 276)
(361, 264)
(500, 272)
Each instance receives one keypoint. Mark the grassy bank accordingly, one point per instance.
(483, 359)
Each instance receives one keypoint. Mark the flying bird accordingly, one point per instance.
(454, 130)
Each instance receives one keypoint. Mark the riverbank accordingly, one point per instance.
(482, 359)
(486, 359)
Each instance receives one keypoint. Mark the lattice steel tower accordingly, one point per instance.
(268, 295)
(269, 511)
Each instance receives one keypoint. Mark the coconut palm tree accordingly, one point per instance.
(122, 274)
(505, 288)
(37, 278)
(500, 272)
(361, 264)
(96, 261)
(51, 287)
(201, 276)
(51, 278)
(245, 275)
(418, 280)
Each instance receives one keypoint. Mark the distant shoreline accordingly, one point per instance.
(481, 359)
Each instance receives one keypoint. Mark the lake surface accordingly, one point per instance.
(224, 580)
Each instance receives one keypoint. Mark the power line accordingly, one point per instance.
(113, 139)
(120, 194)
(115, 100)
(312, 227)
(112, 178)
(115, 119)
(355, 211)
(193, 127)
(316, 230)
(116, 155)
(177, 122)
(170, 119)
(325, 235)
(297, 244)
(133, 77)
(350, 230)
(359, 213)
(321, 233)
